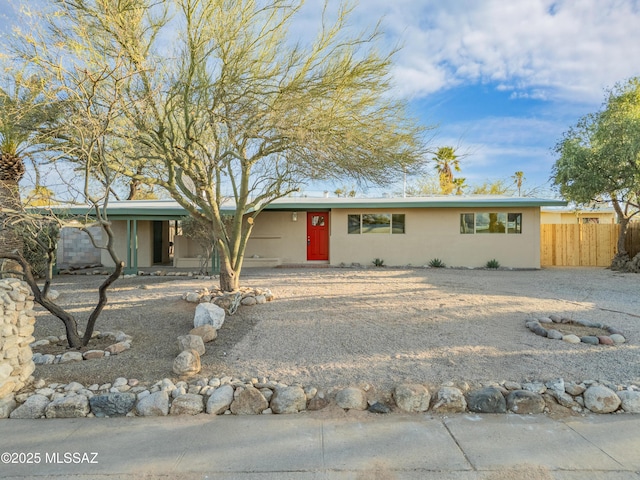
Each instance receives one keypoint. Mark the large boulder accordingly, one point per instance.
(154, 405)
(187, 404)
(449, 400)
(630, 401)
(288, 400)
(412, 397)
(68, 407)
(486, 400)
(525, 402)
(600, 399)
(352, 398)
(114, 404)
(248, 401)
(220, 400)
(209, 314)
(33, 407)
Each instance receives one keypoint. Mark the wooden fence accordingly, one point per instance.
(584, 245)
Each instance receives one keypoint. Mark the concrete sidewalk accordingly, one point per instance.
(460, 447)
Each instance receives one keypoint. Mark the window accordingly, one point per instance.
(376, 223)
(353, 224)
(384, 223)
(587, 220)
(466, 223)
(514, 224)
(490, 223)
(397, 223)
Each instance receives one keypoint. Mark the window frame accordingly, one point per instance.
(390, 230)
(497, 223)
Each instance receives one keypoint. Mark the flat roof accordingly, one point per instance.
(170, 209)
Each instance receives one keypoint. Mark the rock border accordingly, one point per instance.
(227, 395)
(122, 342)
(615, 336)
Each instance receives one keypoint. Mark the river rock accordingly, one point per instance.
(112, 404)
(154, 405)
(449, 400)
(554, 334)
(220, 400)
(590, 339)
(187, 404)
(617, 338)
(117, 348)
(571, 338)
(600, 399)
(209, 314)
(524, 402)
(352, 398)
(288, 400)
(486, 400)
(68, 357)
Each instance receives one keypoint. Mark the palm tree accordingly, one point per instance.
(459, 184)
(446, 163)
(519, 179)
(23, 111)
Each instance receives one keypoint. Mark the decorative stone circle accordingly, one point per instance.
(559, 328)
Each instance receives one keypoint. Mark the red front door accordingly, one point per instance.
(317, 235)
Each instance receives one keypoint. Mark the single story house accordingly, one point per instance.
(459, 230)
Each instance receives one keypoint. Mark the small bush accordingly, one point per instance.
(437, 263)
(378, 262)
(493, 263)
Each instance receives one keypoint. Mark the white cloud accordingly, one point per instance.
(566, 49)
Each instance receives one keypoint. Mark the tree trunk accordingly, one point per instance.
(229, 279)
(621, 258)
(10, 241)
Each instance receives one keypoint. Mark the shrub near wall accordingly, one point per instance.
(16, 328)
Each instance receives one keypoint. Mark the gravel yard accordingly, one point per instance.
(378, 326)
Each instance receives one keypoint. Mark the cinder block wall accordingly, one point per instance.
(75, 248)
(16, 328)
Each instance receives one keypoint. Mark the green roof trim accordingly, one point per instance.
(171, 210)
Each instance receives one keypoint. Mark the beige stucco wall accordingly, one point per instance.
(430, 233)
(550, 217)
(435, 233)
(276, 235)
(145, 243)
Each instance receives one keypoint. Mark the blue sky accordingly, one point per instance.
(502, 80)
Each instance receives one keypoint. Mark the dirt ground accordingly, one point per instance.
(332, 327)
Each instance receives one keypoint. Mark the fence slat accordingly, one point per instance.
(583, 244)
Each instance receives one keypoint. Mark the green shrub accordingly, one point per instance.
(437, 263)
(493, 263)
(378, 262)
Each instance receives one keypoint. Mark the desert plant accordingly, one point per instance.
(493, 263)
(378, 262)
(437, 263)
